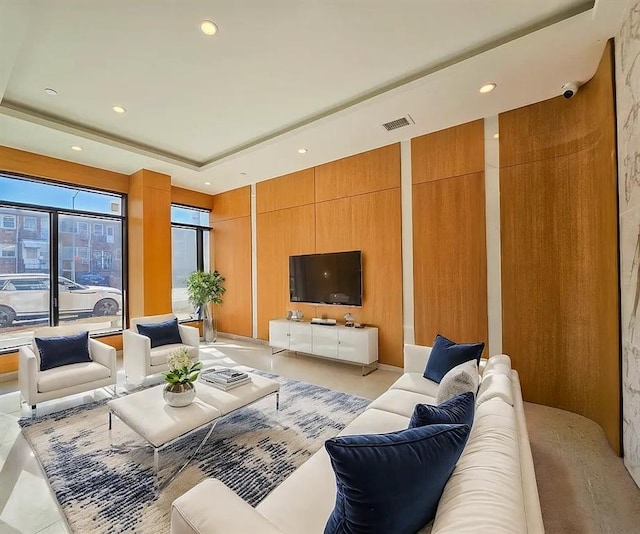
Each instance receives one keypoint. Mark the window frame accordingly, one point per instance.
(54, 242)
(30, 229)
(6, 217)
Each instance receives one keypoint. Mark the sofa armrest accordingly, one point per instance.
(189, 335)
(136, 353)
(415, 358)
(103, 354)
(28, 374)
(213, 508)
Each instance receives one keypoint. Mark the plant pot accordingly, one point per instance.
(209, 325)
(179, 395)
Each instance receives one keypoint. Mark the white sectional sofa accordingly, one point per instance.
(492, 489)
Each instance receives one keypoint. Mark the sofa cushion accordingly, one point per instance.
(63, 350)
(71, 375)
(375, 422)
(460, 379)
(417, 383)
(456, 411)
(164, 333)
(160, 355)
(486, 485)
(495, 386)
(499, 364)
(400, 402)
(446, 354)
(392, 483)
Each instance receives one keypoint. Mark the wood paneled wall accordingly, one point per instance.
(560, 251)
(149, 225)
(449, 235)
(349, 204)
(231, 246)
(194, 199)
(30, 164)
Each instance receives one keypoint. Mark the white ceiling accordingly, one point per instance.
(279, 75)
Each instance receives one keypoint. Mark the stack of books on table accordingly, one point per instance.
(225, 378)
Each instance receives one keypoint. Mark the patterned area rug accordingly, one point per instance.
(252, 451)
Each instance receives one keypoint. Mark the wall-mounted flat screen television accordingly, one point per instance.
(334, 278)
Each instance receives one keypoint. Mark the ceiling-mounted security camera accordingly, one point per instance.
(570, 89)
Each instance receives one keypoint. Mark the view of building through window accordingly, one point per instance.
(190, 252)
(85, 283)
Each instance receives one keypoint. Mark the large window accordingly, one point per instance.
(190, 251)
(57, 264)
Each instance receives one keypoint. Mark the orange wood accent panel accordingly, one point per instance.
(149, 223)
(20, 161)
(370, 223)
(450, 260)
(196, 199)
(9, 362)
(231, 204)
(451, 152)
(371, 171)
(558, 126)
(560, 254)
(232, 245)
(280, 234)
(288, 191)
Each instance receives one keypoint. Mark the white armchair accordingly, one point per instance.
(39, 386)
(140, 360)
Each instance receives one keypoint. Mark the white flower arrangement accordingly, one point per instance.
(181, 368)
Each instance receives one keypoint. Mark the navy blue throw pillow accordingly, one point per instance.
(63, 350)
(391, 483)
(446, 354)
(160, 334)
(458, 410)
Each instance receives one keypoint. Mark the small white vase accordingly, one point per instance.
(179, 395)
(209, 325)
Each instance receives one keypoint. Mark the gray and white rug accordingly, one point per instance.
(252, 451)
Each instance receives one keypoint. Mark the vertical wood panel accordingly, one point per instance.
(280, 234)
(371, 171)
(450, 260)
(149, 224)
(370, 223)
(196, 199)
(560, 252)
(231, 204)
(288, 191)
(451, 152)
(232, 240)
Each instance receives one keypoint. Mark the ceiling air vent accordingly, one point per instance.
(398, 123)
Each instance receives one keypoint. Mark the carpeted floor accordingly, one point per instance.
(584, 487)
(252, 450)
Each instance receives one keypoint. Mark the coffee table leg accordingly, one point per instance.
(278, 400)
(156, 460)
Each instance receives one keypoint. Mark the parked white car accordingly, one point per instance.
(25, 297)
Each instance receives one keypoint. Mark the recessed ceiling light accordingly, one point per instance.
(118, 109)
(51, 92)
(488, 88)
(208, 27)
(302, 151)
(496, 136)
(207, 183)
(76, 147)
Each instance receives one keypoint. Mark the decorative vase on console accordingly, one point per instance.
(205, 288)
(179, 391)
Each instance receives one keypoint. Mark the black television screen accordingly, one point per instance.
(334, 278)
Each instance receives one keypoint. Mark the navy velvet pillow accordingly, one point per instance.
(160, 334)
(446, 354)
(63, 350)
(458, 410)
(391, 483)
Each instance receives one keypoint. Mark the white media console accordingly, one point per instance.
(357, 346)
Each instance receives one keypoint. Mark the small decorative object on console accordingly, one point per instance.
(296, 315)
(183, 372)
(348, 319)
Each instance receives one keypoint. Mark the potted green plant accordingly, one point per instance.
(179, 390)
(205, 288)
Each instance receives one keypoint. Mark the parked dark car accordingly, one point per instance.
(92, 279)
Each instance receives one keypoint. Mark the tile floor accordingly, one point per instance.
(27, 505)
